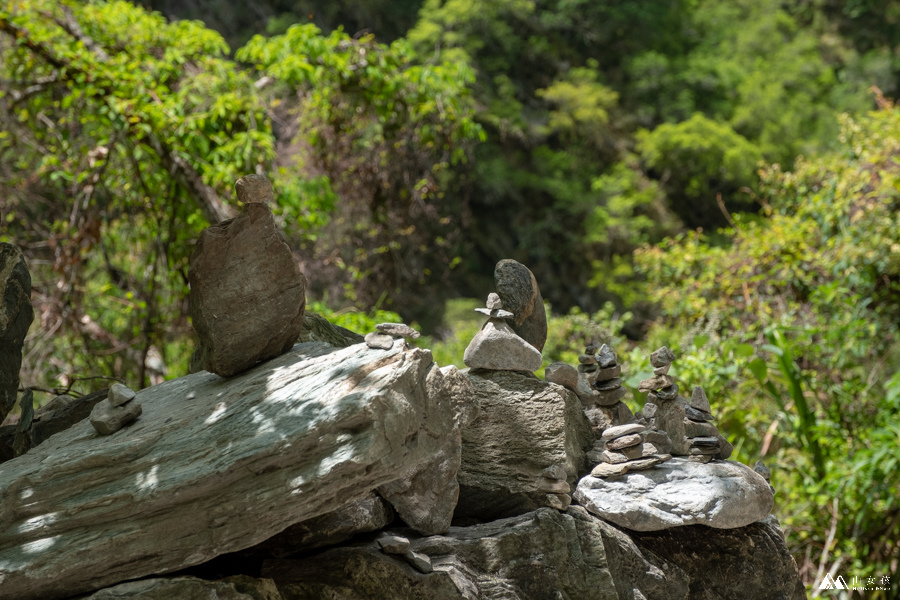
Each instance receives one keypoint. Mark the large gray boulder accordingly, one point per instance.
(189, 588)
(720, 494)
(247, 293)
(16, 315)
(215, 465)
(750, 563)
(525, 426)
(534, 556)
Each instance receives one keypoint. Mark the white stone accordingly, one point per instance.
(496, 347)
(722, 494)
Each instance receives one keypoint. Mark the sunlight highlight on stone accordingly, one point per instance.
(39, 545)
(217, 414)
(36, 523)
(150, 480)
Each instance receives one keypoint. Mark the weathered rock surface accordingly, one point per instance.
(16, 315)
(750, 563)
(497, 348)
(241, 461)
(525, 426)
(425, 497)
(520, 294)
(720, 494)
(185, 588)
(57, 415)
(370, 513)
(247, 293)
(543, 554)
(254, 188)
(563, 374)
(317, 328)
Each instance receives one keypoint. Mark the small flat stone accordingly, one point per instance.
(381, 341)
(608, 470)
(554, 472)
(610, 397)
(108, 419)
(669, 393)
(649, 410)
(592, 348)
(697, 415)
(648, 449)
(694, 429)
(497, 313)
(699, 400)
(658, 438)
(120, 394)
(393, 544)
(661, 370)
(554, 486)
(662, 357)
(605, 357)
(609, 385)
(643, 463)
(705, 441)
(562, 374)
(613, 458)
(711, 450)
(700, 458)
(621, 430)
(633, 452)
(587, 368)
(559, 501)
(398, 330)
(624, 441)
(655, 383)
(587, 359)
(494, 302)
(420, 561)
(608, 373)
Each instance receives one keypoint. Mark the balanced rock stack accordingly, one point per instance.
(247, 294)
(118, 410)
(497, 347)
(600, 388)
(624, 450)
(687, 424)
(386, 333)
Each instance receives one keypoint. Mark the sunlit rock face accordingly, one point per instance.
(216, 465)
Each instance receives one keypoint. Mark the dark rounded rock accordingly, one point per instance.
(16, 315)
(520, 294)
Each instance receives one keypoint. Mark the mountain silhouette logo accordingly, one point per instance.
(830, 583)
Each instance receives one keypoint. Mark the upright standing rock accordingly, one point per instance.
(247, 293)
(519, 291)
(16, 315)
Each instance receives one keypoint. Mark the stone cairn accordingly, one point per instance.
(118, 410)
(600, 388)
(385, 333)
(687, 423)
(497, 347)
(624, 450)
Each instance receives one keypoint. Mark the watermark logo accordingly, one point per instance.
(830, 583)
(856, 583)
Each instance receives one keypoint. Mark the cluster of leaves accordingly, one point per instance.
(121, 134)
(810, 295)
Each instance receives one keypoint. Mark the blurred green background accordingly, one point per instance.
(720, 176)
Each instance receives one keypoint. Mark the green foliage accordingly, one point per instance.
(383, 129)
(814, 292)
(698, 159)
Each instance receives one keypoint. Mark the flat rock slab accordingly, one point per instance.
(215, 465)
(720, 494)
(247, 293)
(180, 588)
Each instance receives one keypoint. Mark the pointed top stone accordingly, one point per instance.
(760, 468)
(662, 357)
(592, 348)
(494, 302)
(605, 357)
(699, 400)
(254, 188)
(398, 330)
